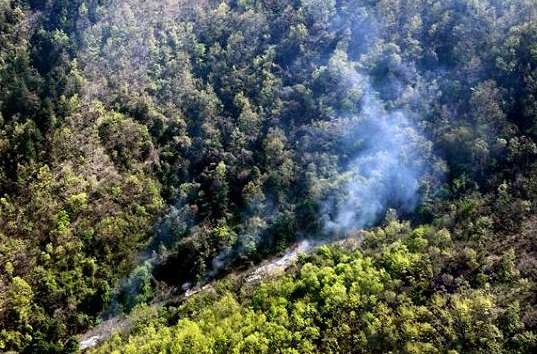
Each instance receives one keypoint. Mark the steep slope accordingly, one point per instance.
(152, 146)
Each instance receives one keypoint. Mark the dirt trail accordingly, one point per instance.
(279, 265)
(122, 323)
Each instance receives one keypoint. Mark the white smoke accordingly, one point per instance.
(387, 168)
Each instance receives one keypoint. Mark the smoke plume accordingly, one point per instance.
(389, 161)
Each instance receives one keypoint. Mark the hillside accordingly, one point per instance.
(148, 148)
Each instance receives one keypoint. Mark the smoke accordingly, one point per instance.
(386, 173)
(257, 219)
(383, 157)
(389, 158)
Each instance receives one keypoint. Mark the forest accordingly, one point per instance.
(154, 154)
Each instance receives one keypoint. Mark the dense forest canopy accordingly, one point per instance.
(149, 147)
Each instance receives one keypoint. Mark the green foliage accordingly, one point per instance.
(209, 135)
(340, 300)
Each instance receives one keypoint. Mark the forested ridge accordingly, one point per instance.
(150, 147)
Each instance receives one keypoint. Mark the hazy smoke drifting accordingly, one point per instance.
(387, 168)
(383, 157)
